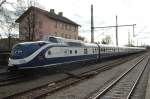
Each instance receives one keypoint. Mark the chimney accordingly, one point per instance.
(52, 11)
(60, 13)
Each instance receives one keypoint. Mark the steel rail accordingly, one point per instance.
(59, 81)
(137, 80)
(118, 79)
(73, 82)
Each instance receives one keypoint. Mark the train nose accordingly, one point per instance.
(24, 50)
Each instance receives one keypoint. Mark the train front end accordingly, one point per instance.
(23, 55)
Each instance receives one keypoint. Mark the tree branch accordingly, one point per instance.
(2, 2)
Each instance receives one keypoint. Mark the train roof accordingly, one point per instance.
(125, 47)
(33, 42)
(72, 42)
(69, 42)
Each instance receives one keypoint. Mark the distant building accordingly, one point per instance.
(36, 23)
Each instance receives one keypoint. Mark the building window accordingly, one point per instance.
(75, 28)
(65, 26)
(40, 24)
(72, 28)
(40, 36)
(62, 35)
(26, 37)
(69, 36)
(59, 25)
(56, 24)
(69, 27)
(75, 37)
(66, 36)
(55, 33)
(62, 26)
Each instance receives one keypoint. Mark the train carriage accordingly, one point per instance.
(56, 50)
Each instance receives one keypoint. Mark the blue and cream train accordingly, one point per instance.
(57, 50)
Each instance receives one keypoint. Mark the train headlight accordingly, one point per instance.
(9, 64)
(22, 61)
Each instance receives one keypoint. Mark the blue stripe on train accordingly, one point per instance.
(48, 61)
(60, 60)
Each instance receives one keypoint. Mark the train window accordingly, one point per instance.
(74, 43)
(70, 51)
(113, 49)
(22, 51)
(75, 51)
(93, 50)
(85, 51)
(41, 43)
(53, 40)
(102, 50)
(65, 51)
(107, 49)
(49, 52)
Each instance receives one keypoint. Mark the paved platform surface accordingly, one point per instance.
(147, 96)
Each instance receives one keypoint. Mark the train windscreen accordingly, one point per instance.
(23, 50)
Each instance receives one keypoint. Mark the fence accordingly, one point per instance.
(4, 56)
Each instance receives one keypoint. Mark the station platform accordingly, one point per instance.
(147, 96)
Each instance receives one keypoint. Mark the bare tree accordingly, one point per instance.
(30, 20)
(8, 17)
(106, 40)
(2, 2)
(81, 38)
(30, 26)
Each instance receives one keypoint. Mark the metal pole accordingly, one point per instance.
(116, 32)
(133, 30)
(128, 38)
(92, 25)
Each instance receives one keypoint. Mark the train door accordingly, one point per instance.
(99, 52)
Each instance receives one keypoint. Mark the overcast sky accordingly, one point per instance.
(128, 12)
(105, 11)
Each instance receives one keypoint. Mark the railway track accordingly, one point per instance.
(57, 85)
(3, 73)
(124, 86)
(7, 78)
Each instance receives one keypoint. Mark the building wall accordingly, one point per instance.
(46, 26)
